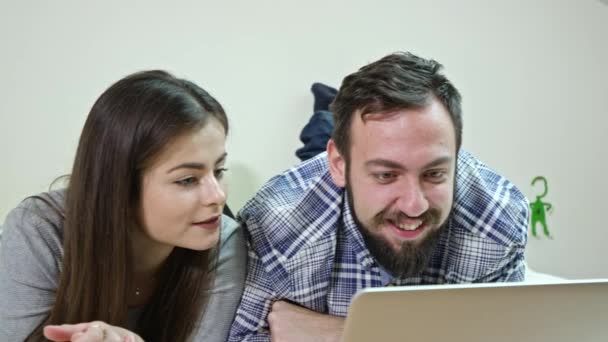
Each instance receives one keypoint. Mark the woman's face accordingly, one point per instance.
(183, 194)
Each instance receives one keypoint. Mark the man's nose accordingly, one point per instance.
(412, 199)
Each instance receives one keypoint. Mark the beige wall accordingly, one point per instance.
(533, 75)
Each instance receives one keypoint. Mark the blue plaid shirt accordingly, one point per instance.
(305, 247)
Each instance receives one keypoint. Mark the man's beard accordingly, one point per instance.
(413, 256)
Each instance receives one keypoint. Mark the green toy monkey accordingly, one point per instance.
(539, 208)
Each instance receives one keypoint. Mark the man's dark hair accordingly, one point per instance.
(398, 81)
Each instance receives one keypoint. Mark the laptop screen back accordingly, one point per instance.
(567, 311)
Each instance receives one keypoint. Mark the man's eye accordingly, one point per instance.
(219, 173)
(186, 181)
(384, 177)
(436, 176)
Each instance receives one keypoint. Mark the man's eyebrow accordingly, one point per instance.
(439, 161)
(383, 162)
(197, 166)
(395, 165)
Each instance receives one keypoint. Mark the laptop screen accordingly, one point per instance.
(555, 312)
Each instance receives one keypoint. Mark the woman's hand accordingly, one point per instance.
(89, 332)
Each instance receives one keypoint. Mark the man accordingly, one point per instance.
(394, 201)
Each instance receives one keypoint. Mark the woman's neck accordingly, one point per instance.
(148, 255)
(148, 259)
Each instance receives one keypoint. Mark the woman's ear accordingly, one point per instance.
(337, 164)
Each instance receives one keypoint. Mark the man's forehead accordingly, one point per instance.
(431, 115)
(385, 115)
(423, 134)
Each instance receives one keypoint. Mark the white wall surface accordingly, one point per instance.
(533, 75)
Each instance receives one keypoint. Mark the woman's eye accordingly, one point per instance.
(186, 181)
(219, 173)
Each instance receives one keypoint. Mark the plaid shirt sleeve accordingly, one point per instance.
(266, 279)
(250, 322)
(494, 209)
(512, 269)
(285, 241)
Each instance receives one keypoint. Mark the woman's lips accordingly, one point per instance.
(211, 223)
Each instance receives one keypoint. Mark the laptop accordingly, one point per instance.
(572, 311)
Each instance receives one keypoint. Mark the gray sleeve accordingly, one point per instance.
(227, 288)
(30, 260)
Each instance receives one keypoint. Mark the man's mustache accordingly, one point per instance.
(432, 216)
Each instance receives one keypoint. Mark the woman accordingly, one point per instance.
(137, 240)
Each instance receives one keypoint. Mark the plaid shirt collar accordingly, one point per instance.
(354, 237)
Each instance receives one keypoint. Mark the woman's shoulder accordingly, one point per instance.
(32, 242)
(38, 215)
(225, 294)
(232, 248)
(230, 232)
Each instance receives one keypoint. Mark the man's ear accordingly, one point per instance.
(337, 164)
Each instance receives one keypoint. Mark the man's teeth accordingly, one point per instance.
(411, 226)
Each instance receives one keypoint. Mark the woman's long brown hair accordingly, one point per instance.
(128, 126)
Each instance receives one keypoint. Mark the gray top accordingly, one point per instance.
(31, 258)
